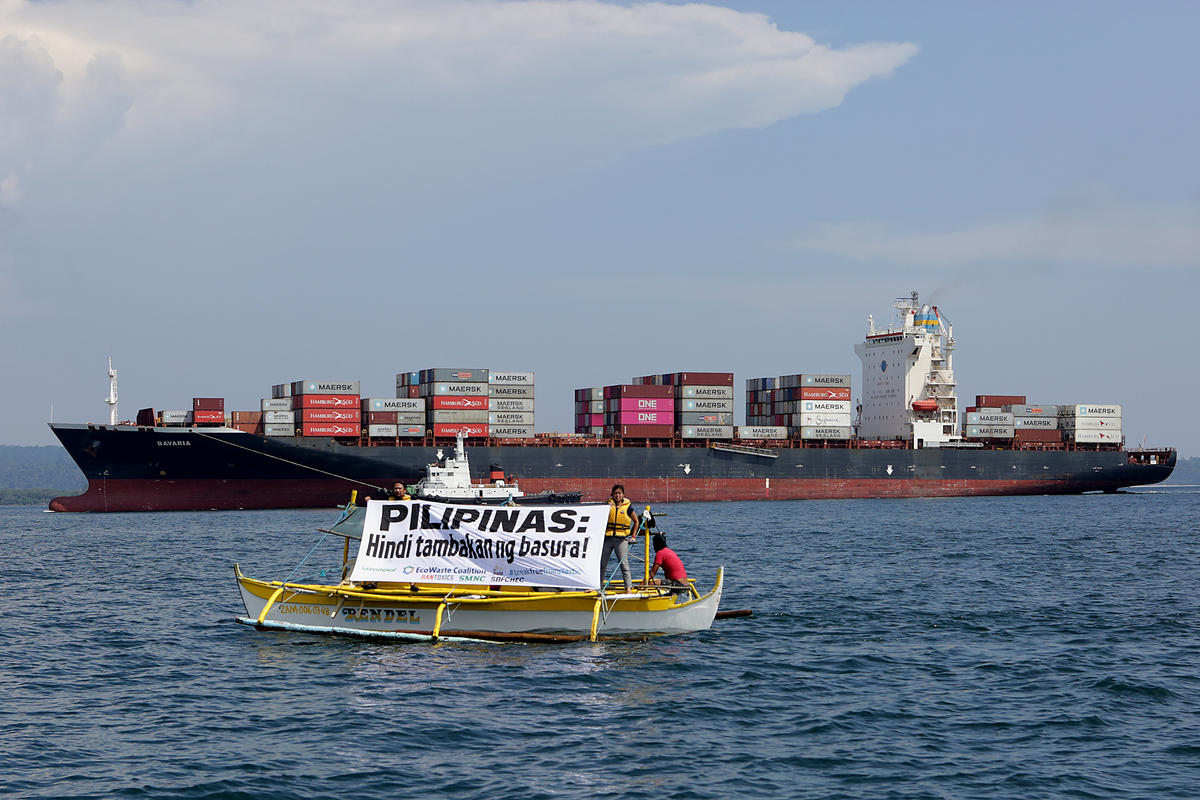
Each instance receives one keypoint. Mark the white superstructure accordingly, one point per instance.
(908, 389)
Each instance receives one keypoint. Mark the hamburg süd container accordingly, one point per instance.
(330, 429)
(472, 430)
(325, 401)
(351, 415)
(451, 403)
(824, 393)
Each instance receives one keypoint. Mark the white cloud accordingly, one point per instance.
(1167, 238)
(443, 76)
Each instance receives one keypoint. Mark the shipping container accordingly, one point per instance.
(829, 433)
(451, 429)
(989, 432)
(824, 393)
(704, 418)
(1024, 435)
(208, 404)
(1093, 436)
(329, 428)
(719, 406)
(825, 406)
(276, 404)
(702, 378)
(325, 387)
(393, 404)
(640, 418)
(820, 419)
(1032, 410)
(460, 389)
(706, 432)
(450, 403)
(206, 416)
(279, 418)
(626, 390)
(510, 392)
(245, 417)
(591, 393)
(762, 432)
(381, 430)
(454, 375)
(1036, 423)
(511, 378)
(442, 417)
(589, 420)
(410, 418)
(997, 400)
(641, 431)
(406, 379)
(825, 380)
(325, 401)
(1002, 418)
(512, 431)
(352, 415)
(410, 431)
(380, 418)
(1089, 423)
(509, 418)
(641, 404)
(279, 430)
(502, 404)
(708, 392)
(280, 391)
(175, 417)
(1089, 411)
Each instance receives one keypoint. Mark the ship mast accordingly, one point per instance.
(112, 393)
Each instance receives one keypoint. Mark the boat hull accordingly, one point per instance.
(324, 610)
(131, 468)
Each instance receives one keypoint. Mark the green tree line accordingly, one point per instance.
(34, 475)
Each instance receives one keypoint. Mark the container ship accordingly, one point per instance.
(667, 437)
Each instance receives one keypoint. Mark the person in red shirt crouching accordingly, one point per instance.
(673, 571)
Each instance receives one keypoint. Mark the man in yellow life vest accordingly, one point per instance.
(622, 529)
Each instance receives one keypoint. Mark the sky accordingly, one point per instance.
(224, 196)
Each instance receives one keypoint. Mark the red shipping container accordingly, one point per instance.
(381, 417)
(210, 403)
(325, 401)
(997, 400)
(468, 429)
(589, 420)
(642, 431)
(414, 391)
(208, 416)
(455, 402)
(626, 390)
(249, 427)
(814, 393)
(242, 417)
(703, 379)
(1035, 435)
(329, 428)
(328, 415)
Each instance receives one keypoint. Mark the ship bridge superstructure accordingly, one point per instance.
(909, 392)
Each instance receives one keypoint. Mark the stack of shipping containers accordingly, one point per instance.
(277, 416)
(589, 411)
(1091, 424)
(987, 421)
(511, 405)
(326, 408)
(1034, 423)
(639, 411)
(809, 406)
(389, 417)
(456, 400)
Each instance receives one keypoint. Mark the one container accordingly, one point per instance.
(641, 404)
(641, 418)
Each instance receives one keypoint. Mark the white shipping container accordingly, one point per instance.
(1036, 423)
(512, 431)
(989, 432)
(762, 432)
(279, 417)
(1002, 418)
(1033, 410)
(440, 417)
(511, 378)
(276, 404)
(840, 432)
(838, 381)
(1090, 423)
(410, 430)
(410, 418)
(816, 420)
(396, 404)
(503, 404)
(325, 387)
(279, 430)
(704, 418)
(826, 406)
(510, 418)
(506, 391)
(1089, 411)
(175, 417)
(1108, 436)
(381, 430)
(706, 431)
(706, 392)
(459, 389)
(719, 406)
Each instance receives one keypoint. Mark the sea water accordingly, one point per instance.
(1035, 647)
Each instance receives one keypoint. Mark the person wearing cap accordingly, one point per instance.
(621, 530)
(673, 572)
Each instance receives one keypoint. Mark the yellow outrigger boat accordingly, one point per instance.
(485, 589)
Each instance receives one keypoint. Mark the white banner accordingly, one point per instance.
(420, 542)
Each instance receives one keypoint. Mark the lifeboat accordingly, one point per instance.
(925, 405)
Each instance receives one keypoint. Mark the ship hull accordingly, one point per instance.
(132, 468)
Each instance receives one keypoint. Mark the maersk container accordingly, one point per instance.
(175, 417)
(350, 415)
(279, 418)
(719, 406)
(381, 430)
(1089, 423)
(1092, 436)
(825, 380)
(510, 392)
(990, 431)
(276, 404)
(471, 430)
(393, 404)
(502, 404)
(300, 401)
(507, 418)
(511, 378)
(286, 429)
(704, 418)
(454, 375)
(443, 417)
(706, 392)
(512, 431)
(640, 404)
(1036, 423)
(410, 418)
(462, 389)
(825, 406)
(706, 432)
(325, 387)
(992, 418)
(1089, 411)
(452, 403)
(828, 433)
(762, 432)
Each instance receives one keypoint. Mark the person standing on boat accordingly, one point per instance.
(398, 492)
(622, 529)
(672, 566)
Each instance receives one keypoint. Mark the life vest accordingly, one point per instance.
(619, 521)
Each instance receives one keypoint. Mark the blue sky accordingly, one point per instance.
(224, 196)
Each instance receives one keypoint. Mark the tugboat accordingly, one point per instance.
(450, 482)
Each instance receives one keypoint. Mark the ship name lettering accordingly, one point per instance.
(173, 443)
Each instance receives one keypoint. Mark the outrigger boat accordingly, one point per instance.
(450, 482)
(432, 571)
